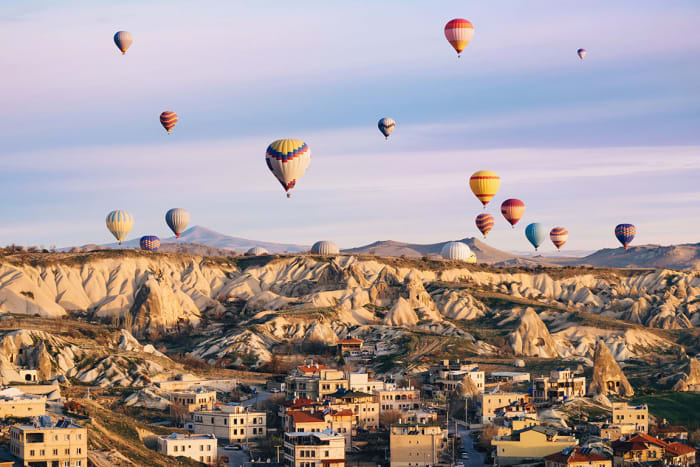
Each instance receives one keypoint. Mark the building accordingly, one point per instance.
(577, 457)
(535, 442)
(630, 418)
(202, 448)
(364, 407)
(350, 347)
(230, 422)
(360, 381)
(506, 426)
(561, 384)
(416, 445)
(183, 403)
(44, 443)
(680, 454)
(340, 422)
(15, 403)
(521, 408)
(447, 375)
(314, 382)
(398, 399)
(488, 404)
(326, 449)
(189, 382)
(668, 432)
(639, 449)
(509, 377)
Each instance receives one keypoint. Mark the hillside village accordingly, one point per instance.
(127, 358)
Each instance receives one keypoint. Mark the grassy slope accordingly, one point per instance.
(679, 408)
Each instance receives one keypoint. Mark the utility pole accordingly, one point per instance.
(278, 452)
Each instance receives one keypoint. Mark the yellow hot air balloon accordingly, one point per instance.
(120, 223)
(484, 185)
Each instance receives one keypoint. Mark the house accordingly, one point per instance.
(630, 418)
(340, 422)
(447, 375)
(364, 407)
(201, 448)
(182, 403)
(577, 457)
(667, 432)
(187, 382)
(46, 443)
(398, 399)
(15, 403)
(350, 347)
(509, 377)
(640, 449)
(561, 385)
(416, 445)
(230, 422)
(314, 381)
(360, 381)
(680, 454)
(488, 404)
(325, 449)
(535, 442)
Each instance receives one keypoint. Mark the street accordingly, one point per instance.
(235, 458)
(476, 458)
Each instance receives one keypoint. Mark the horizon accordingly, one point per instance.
(585, 144)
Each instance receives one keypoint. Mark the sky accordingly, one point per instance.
(585, 144)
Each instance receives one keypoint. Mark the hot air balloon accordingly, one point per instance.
(149, 243)
(456, 251)
(513, 210)
(484, 222)
(258, 251)
(168, 119)
(177, 219)
(120, 223)
(288, 159)
(625, 233)
(458, 33)
(325, 247)
(123, 39)
(386, 126)
(581, 53)
(559, 236)
(484, 185)
(472, 258)
(536, 233)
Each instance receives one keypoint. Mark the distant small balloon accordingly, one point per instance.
(536, 234)
(386, 126)
(459, 33)
(513, 210)
(559, 236)
(168, 119)
(288, 159)
(149, 243)
(177, 219)
(123, 39)
(625, 234)
(581, 53)
(120, 223)
(485, 222)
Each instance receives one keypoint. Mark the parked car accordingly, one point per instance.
(465, 455)
(233, 447)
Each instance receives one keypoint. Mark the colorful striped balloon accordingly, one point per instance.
(485, 185)
(513, 210)
(120, 224)
(559, 236)
(485, 222)
(288, 159)
(168, 119)
(150, 243)
(123, 39)
(459, 33)
(625, 234)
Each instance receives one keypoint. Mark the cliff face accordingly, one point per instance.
(608, 378)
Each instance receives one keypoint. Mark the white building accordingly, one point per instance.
(326, 449)
(509, 377)
(230, 422)
(561, 385)
(398, 399)
(200, 448)
(630, 418)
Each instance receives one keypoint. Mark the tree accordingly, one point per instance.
(487, 434)
(389, 417)
(180, 412)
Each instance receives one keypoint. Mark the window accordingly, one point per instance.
(66, 463)
(67, 451)
(80, 451)
(42, 452)
(326, 454)
(80, 436)
(201, 447)
(208, 447)
(55, 452)
(31, 452)
(67, 437)
(175, 448)
(78, 463)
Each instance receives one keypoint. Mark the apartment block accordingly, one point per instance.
(201, 448)
(326, 449)
(416, 445)
(44, 443)
(230, 422)
(561, 384)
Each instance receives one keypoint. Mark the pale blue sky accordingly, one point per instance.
(585, 144)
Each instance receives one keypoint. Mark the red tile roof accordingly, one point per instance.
(680, 449)
(343, 413)
(645, 438)
(312, 368)
(575, 456)
(299, 403)
(351, 340)
(668, 429)
(303, 417)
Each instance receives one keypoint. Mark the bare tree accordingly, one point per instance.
(389, 417)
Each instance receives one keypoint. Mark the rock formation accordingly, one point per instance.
(532, 338)
(690, 380)
(608, 378)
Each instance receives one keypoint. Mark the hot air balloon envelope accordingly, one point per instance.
(325, 247)
(456, 251)
(625, 234)
(288, 159)
(484, 185)
(581, 53)
(459, 33)
(123, 39)
(536, 234)
(559, 236)
(119, 223)
(150, 243)
(386, 126)
(177, 219)
(168, 119)
(513, 210)
(485, 222)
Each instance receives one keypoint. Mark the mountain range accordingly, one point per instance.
(204, 241)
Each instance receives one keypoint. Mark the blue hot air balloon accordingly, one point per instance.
(625, 234)
(536, 233)
(150, 243)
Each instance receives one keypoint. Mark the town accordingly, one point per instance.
(336, 413)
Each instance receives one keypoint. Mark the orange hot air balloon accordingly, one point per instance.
(459, 33)
(484, 222)
(168, 119)
(484, 185)
(559, 236)
(513, 210)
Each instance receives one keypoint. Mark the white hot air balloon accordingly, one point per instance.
(258, 251)
(325, 247)
(456, 251)
(288, 159)
(177, 219)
